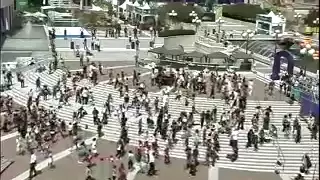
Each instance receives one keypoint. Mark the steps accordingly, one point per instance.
(262, 160)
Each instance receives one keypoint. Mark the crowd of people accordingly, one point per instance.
(187, 85)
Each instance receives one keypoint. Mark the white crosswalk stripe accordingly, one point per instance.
(262, 160)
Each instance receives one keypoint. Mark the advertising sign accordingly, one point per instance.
(21, 4)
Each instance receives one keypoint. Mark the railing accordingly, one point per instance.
(209, 41)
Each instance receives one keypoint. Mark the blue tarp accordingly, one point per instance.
(308, 105)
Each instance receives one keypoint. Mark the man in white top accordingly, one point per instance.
(33, 163)
(151, 170)
(234, 139)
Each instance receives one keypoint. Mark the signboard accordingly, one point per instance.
(21, 4)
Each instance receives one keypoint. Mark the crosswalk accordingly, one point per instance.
(262, 160)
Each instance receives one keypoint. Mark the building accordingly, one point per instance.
(6, 14)
(269, 23)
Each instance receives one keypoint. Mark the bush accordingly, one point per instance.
(244, 12)
(183, 12)
(176, 32)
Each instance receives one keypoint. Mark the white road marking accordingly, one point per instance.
(44, 163)
(213, 172)
(9, 136)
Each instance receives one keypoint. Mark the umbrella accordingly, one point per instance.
(39, 14)
(28, 14)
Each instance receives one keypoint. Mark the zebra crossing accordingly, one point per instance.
(262, 160)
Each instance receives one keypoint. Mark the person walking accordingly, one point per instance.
(33, 164)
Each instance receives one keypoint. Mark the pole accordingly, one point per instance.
(247, 44)
(275, 44)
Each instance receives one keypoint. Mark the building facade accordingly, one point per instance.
(6, 14)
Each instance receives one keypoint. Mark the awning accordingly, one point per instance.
(195, 54)
(217, 55)
(158, 50)
(174, 52)
(241, 55)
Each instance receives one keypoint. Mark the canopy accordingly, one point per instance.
(114, 2)
(96, 8)
(174, 52)
(195, 54)
(124, 4)
(136, 4)
(39, 14)
(163, 50)
(217, 55)
(145, 6)
(241, 55)
(158, 50)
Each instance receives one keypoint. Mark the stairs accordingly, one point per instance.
(262, 161)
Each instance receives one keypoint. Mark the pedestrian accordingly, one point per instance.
(33, 163)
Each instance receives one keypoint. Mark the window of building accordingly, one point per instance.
(263, 25)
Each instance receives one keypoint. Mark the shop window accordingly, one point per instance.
(264, 26)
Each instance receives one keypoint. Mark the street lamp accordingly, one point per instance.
(297, 17)
(247, 36)
(172, 15)
(197, 22)
(277, 34)
(316, 23)
(219, 22)
(307, 50)
(193, 14)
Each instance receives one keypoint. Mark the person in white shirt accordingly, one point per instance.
(151, 170)
(234, 139)
(33, 163)
(94, 147)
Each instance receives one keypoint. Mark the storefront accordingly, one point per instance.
(142, 13)
(269, 23)
(6, 15)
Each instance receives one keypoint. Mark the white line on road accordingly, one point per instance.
(45, 162)
(213, 172)
(9, 136)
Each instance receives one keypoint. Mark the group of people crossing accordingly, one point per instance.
(155, 119)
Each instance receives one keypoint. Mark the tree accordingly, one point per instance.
(34, 3)
(313, 14)
(106, 5)
(182, 11)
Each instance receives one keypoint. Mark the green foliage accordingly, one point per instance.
(176, 32)
(182, 11)
(313, 14)
(34, 3)
(95, 19)
(245, 12)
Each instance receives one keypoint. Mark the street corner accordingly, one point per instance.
(232, 174)
(175, 170)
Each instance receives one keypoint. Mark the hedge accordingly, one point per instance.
(244, 12)
(176, 32)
